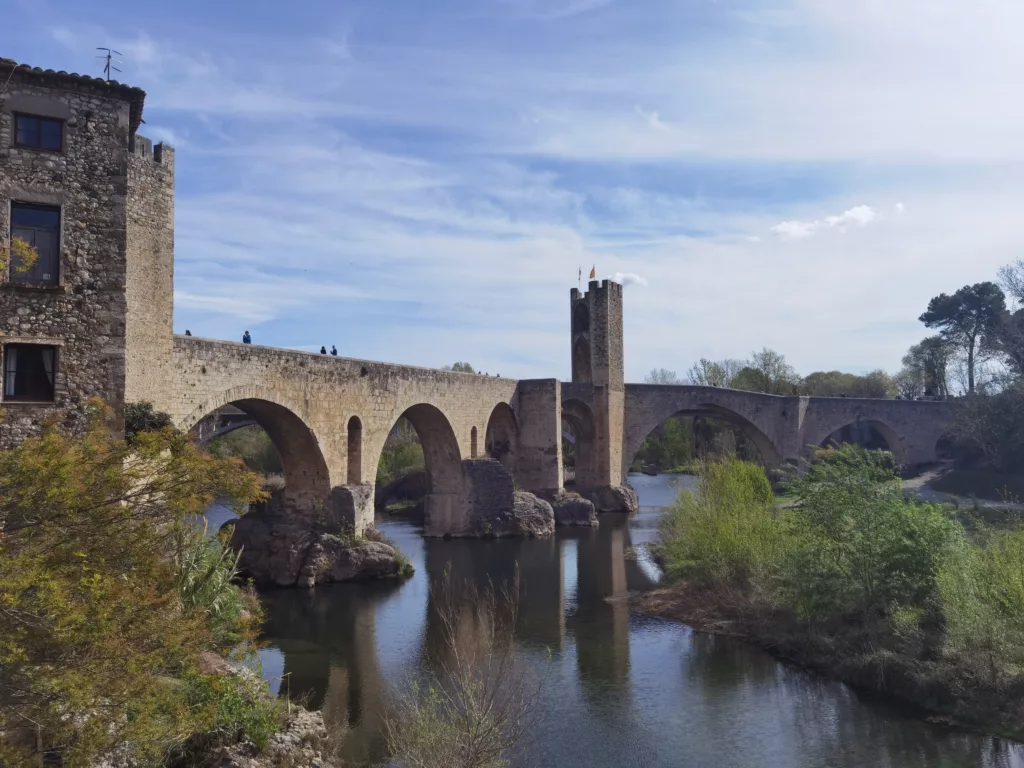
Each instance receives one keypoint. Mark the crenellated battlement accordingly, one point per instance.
(161, 154)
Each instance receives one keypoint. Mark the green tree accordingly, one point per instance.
(661, 376)
(969, 319)
(459, 368)
(862, 546)
(929, 360)
(772, 373)
(98, 646)
(141, 417)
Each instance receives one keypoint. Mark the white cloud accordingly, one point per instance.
(628, 278)
(861, 215)
(899, 208)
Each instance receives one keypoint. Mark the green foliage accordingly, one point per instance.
(836, 383)
(94, 631)
(989, 431)
(253, 446)
(206, 573)
(970, 320)
(982, 590)
(233, 708)
(726, 532)
(401, 455)
(861, 547)
(928, 363)
(461, 367)
(141, 417)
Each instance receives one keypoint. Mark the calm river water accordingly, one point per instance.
(616, 689)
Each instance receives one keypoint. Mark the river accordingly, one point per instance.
(615, 689)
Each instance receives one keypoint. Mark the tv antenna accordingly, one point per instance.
(108, 57)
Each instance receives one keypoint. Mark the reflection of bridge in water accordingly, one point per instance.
(573, 590)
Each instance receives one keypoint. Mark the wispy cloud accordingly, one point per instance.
(860, 215)
(421, 181)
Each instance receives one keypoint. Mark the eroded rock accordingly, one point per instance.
(287, 552)
(614, 498)
(571, 509)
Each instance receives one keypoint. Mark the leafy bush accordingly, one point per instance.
(207, 570)
(860, 546)
(982, 589)
(727, 531)
(988, 431)
(95, 636)
(141, 417)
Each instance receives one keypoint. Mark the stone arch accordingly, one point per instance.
(502, 436)
(581, 318)
(893, 441)
(444, 507)
(771, 456)
(355, 451)
(307, 477)
(580, 420)
(472, 443)
(581, 361)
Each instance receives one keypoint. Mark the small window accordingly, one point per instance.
(29, 372)
(38, 132)
(39, 226)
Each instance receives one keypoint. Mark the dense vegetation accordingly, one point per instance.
(401, 455)
(109, 595)
(253, 446)
(857, 580)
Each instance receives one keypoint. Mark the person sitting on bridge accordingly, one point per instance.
(188, 332)
(246, 338)
(323, 350)
(334, 350)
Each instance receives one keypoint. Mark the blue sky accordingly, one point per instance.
(419, 182)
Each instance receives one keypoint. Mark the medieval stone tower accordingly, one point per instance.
(597, 361)
(92, 317)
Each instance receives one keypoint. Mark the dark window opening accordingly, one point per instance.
(39, 226)
(38, 132)
(581, 319)
(29, 372)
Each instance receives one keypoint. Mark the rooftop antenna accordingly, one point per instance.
(108, 57)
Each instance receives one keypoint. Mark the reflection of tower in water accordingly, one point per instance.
(600, 624)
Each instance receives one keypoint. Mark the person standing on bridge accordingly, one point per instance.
(323, 350)
(246, 338)
(334, 350)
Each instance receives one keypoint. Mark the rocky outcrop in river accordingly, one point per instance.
(571, 509)
(284, 551)
(614, 498)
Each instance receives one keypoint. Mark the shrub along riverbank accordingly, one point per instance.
(855, 581)
(116, 611)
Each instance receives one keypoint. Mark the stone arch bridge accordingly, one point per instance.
(330, 416)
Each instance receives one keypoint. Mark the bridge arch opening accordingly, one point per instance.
(701, 432)
(578, 450)
(423, 439)
(355, 451)
(307, 480)
(581, 361)
(502, 435)
(870, 434)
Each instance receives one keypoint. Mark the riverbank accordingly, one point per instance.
(958, 691)
(856, 581)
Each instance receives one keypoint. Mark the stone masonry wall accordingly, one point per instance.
(84, 315)
(150, 274)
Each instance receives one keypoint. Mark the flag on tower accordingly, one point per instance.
(593, 272)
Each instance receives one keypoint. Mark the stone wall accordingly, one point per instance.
(83, 315)
(150, 273)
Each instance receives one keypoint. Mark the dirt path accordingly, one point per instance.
(920, 487)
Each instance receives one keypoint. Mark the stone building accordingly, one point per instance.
(95, 200)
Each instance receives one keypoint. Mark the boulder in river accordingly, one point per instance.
(614, 498)
(277, 550)
(571, 509)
